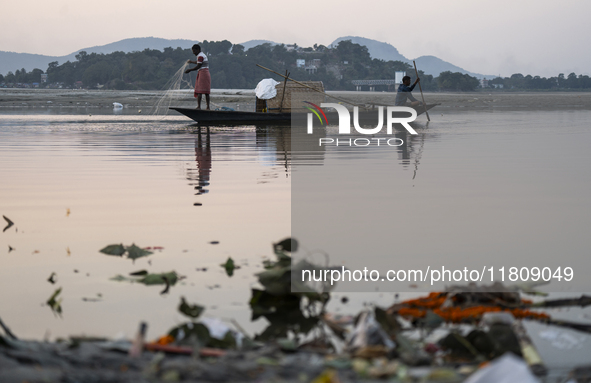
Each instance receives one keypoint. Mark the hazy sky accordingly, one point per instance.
(542, 37)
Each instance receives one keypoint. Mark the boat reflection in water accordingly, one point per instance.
(280, 146)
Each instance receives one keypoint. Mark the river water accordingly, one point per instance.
(509, 185)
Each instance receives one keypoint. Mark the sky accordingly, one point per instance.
(503, 37)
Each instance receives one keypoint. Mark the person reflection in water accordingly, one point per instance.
(203, 159)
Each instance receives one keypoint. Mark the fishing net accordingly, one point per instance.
(175, 91)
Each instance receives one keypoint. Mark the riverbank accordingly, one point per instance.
(243, 99)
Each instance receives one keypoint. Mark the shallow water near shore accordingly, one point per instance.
(76, 182)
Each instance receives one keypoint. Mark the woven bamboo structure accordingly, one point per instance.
(295, 93)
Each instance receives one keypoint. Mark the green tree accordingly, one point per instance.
(457, 81)
(10, 78)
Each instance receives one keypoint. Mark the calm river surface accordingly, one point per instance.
(506, 183)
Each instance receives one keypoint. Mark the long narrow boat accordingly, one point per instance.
(226, 117)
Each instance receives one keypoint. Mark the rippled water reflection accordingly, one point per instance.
(137, 179)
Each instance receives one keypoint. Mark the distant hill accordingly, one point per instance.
(377, 50)
(253, 43)
(429, 64)
(434, 65)
(11, 61)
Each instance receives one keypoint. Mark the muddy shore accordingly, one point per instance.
(15, 99)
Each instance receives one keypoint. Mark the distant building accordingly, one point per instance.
(372, 84)
(315, 62)
(398, 76)
(300, 63)
(498, 86)
(483, 83)
(291, 47)
(43, 78)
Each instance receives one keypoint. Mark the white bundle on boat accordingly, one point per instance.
(266, 89)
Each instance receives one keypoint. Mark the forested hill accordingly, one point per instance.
(230, 66)
(233, 67)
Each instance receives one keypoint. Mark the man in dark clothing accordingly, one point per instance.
(404, 93)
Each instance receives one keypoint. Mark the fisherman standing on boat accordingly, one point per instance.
(203, 81)
(404, 93)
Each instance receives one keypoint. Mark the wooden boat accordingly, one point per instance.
(233, 118)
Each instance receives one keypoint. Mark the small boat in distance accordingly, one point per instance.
(233, 118)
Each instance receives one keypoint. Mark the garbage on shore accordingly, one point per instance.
(474, 335)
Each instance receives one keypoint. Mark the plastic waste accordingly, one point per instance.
(218, 329)
(368, 332)
(506, 369)
(266, 89)
(117, 105)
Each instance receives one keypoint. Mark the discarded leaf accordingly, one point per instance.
(167, 288)
(193, 311)
(91, 299)
(135, 252)
(139, 273)
(169, 278)
(9, 223)
(54, 303)
(289, 244)
(117, 250)
(51, 278)
(229, 266)
(160, 279)
(191, 333)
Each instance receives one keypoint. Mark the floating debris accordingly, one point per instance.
(133, 252)
(117, 250)
(52, 279)
(55, 303)
(169, 279)
(84, 299)
(207, 332)
(192, 311)
(450, 336)
(9, 223)
(229, 266)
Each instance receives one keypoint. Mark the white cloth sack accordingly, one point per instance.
(266, 89)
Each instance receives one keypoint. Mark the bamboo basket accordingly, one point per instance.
(296, 94)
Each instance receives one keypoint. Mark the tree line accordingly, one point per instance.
(233, 67)
(529, 82)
